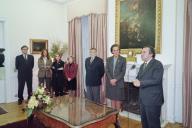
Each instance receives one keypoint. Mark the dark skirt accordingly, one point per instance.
(72, 85)
(115, 93)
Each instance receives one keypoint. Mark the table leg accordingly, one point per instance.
(117, 124)
(30, 121)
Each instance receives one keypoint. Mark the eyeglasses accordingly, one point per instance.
(24, 49)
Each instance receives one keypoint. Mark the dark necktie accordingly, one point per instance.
(25, 56)
(144, 66)
(91, 60)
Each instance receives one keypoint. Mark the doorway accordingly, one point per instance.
(2, 69)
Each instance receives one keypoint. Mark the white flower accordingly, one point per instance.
(40, 90)
(39, 96)
(33, 102)
(47, 100)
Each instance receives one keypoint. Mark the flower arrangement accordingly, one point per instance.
(56, 48)
(39, 99)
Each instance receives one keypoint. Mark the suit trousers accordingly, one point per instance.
(150, 116)
(93, 93)
(21, 83)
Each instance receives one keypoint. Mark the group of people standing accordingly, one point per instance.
(115, 71)
(54, 74)
(57, 75)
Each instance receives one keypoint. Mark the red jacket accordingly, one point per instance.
(70, 70)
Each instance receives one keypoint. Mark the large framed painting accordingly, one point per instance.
(37, 45)
(138, 24)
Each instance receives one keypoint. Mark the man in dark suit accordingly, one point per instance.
(24, 64)
(94, 72)
(149, 79)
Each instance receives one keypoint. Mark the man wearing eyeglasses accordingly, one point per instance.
(24, 64)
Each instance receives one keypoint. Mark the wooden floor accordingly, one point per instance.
(15, 113)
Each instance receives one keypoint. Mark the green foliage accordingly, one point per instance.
(57, 49)
(29, 112)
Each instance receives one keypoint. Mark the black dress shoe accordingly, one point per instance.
(61, 94)
(20, 102)
(56, 95)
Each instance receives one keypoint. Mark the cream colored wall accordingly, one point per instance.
(78, 8)
(26, 19)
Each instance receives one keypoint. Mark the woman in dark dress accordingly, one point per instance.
(71, 73)
(58, 76)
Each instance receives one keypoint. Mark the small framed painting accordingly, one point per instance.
(37, 45)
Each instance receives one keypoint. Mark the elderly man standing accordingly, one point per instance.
(94, 72)
(149, 81)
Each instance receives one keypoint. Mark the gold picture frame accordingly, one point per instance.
(125, 27)
(37, 45)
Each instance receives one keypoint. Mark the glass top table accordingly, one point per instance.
(77, 112)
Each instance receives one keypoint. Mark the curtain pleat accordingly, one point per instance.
(187, 74)
(75, 49)
(98, 40)
(81, 37)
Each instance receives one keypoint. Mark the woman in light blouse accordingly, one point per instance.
(45, 73)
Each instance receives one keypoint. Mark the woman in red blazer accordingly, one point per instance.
(70, 71)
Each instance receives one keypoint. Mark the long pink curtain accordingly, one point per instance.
(75, 49)
(187, 76)
(98, 40)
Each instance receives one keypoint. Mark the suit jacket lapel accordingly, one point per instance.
(93, 60)
(89, 61)
(111, 63)
(23, 57)
(24, 60)
(116, 64)
(149, 65)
